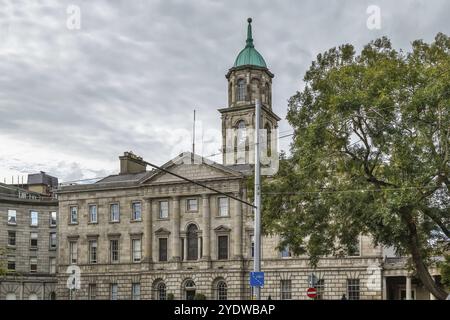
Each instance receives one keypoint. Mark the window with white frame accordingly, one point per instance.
(11, 238)
(320, 289)
(33, 264)
(73, 252)
(286, 252)
(286, 289)
(33, 240)
(114, 212)
(12, 217)
(223, 206)
(353, 289)
(93, 213)
(53, 219)
(136, 291)
(11, 265)
(222, 290)
(163, 209)
(52, 265)
(136, 248)
(73, 214)
(53, 240)
(92, 292)
(92, 251)
(114, 250)
(34, 218)
(114, 291)
(136, 211)
(192, 205)
(241, 90)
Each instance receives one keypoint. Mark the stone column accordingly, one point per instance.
(408, 287)
(176, 229)
(206, 228)
(148, 233)
(185, 244)
(237, 229)
(384, 297)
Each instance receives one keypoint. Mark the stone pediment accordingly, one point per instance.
(192, 167)
(162, 232)
(222, 228)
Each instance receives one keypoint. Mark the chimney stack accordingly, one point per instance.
(131, 163)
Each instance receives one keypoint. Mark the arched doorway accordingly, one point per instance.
(189, 289)
(192, 242)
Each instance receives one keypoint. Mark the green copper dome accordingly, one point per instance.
(249, 55)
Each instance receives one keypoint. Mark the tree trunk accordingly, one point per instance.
(414, 246)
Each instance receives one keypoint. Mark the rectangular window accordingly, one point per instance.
(53, 219)
(74, 214)
(115, 214)
(320, 287)
(135, 291)
(34, 218)
(93, 251)
(223, 206)
(136, 211)
(353, 289)
(92, 293)
(192, 205)
(11, 263)
(33, 264)
(73, 252)
(286, 252)
(222, 247)
(93, 213)
(12, 216)
(114, 250)
(163, 209)
(53, 240)
(136, 248)
(114, 291)
(11, 238)
(354, 249)
(286, 289)
(52, 265)
(33, 240)
(162, 249)
(252, 246)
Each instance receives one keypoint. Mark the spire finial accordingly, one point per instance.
(249, 33)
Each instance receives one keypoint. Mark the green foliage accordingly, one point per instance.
(199, 296)
(170, 296)
(3, 261)
(370, 153)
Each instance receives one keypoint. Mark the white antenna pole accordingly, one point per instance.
(257, 258)
(193, 135)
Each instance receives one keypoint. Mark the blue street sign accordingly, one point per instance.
(257, 279)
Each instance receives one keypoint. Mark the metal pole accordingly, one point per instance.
(257, 258)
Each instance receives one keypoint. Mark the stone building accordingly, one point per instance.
(150, 235)
(28, 244)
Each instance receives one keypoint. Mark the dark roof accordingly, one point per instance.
(124, 177)
(246, 169)
(42, 178)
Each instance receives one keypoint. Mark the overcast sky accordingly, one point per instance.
(73, 100)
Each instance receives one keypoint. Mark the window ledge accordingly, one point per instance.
(162, 219)
(12, 224)
(114, 221)
(133, 221)
(73, 223)
(93, 222)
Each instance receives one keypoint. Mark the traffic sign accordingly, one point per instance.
(257, 279)
(311, 293)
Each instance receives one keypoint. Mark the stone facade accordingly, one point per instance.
(31, 269)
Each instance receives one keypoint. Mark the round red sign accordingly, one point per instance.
(311, 292)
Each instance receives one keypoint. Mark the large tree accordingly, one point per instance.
(370, 155)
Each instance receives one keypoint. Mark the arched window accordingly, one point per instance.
(32, 296)
(192, 242)
(53, 295)
(240, 142)
(241, 90)
(189, 290)
(10, 296)
(268, 139)
(161, 291)
(221, 290)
